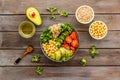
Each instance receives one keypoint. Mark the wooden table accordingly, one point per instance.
(105, 66)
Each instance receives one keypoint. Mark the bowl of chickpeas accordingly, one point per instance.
(98, 30)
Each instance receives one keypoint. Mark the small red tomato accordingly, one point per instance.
(72, 48)
(68, 39)
(66, 46)
(65, 43)
(75, 43)
(32, 14)
(73, 35)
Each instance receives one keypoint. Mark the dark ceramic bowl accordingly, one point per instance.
(61, 60)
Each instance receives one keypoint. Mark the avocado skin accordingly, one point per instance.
(38, 16)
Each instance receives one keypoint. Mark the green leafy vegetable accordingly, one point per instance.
(36, 58)
(66, 33)
(65, 30)
(39, 70)
(93, 51)
(58, 44)
(59, 40)
(62, 37)
(52, 9)
(83, 61)
(66, 27)
(58, 11)
(46, 35)
(64, 14)
(41, 36)
(52, 16)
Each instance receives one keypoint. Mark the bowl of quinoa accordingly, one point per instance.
(84, 14)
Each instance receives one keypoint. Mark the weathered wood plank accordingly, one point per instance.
(19, 6)
(58, 73)
(11, 23)
(106, 57)
(14, 40)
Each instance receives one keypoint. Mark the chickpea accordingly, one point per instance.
(50, 47)
(98, 29)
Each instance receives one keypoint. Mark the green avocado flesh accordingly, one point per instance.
(35, 18)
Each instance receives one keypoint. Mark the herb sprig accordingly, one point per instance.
(39, 70)
(83, 61)
(93, 51)
(53, 9)
(64, 14)
(36, 58)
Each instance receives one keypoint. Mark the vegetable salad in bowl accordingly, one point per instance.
(59, 42)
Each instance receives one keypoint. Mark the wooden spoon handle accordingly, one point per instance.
(17, 60)
(24, 54)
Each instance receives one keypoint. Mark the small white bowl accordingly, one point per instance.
(102, 36)
(83, 13)
(23, 24)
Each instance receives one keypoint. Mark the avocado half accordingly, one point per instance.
(34, 16)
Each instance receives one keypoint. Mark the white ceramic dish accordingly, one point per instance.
(102, 36)
(76, 14)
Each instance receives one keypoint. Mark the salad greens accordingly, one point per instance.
(66, 27)
(65, 30)
(46, 36)
(93, 51)
(83, 61)
(39, 70)
(64, 50)
(36, 58)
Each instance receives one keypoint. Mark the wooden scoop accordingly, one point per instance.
(27, 51)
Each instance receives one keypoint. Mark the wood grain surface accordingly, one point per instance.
(105, 66)
(110, 20)
(99, 6)
(105, 58)
(58, 73)
(11, 40)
